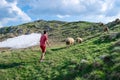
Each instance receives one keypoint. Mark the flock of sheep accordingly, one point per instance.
(71, 41)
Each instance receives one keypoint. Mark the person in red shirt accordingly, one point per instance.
(43, 41)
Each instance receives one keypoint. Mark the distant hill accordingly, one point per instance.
(58, 30)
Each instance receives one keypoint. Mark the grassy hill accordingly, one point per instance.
(97, 58)
(91, 60)
(56, 29)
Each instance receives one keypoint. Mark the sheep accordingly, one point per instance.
(106, 29)
(79, 40)
(69, 41)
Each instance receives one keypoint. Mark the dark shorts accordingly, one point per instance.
(43, 48)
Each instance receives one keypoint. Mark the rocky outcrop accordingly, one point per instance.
(110, 37)
(113, 23)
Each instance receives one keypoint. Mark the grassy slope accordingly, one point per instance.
(62, 63)
(56, 29)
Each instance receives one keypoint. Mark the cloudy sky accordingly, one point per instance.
(14, 12)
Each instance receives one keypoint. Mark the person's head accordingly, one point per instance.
(44, 32)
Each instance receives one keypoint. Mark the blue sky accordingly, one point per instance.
(14, 12)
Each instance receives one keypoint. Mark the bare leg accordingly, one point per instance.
(42, 56)
(43, 53)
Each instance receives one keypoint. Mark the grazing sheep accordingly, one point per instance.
(79, 40)
(106, 29)
(69, 41)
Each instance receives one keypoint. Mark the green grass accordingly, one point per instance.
(97, 58)
(78, 62)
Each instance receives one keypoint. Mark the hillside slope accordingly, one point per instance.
(95, 59)
(56, 29)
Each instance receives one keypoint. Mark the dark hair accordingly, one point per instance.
(44, 32)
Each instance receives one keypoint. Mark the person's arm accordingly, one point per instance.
(47, 40)
(48, 43)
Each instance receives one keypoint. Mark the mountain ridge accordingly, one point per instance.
(66, 29)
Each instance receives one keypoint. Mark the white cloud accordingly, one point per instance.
(62, 16)
(90, 10)
(20, 14)
(70, 2)
(101, 18)
(70, 7)
(10, 12)
(107, 5)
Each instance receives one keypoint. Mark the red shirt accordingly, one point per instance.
(43, 39)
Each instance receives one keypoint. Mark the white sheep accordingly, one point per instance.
(69, 41)
(79, 40)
